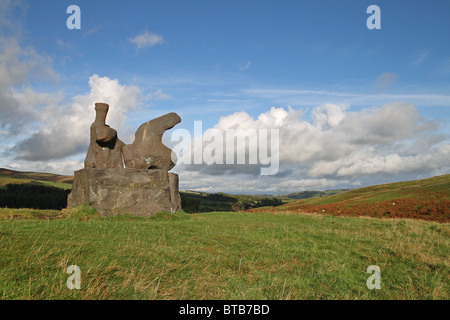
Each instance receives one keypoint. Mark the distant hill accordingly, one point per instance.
(312, 194)
(427, 199)
(8, 176)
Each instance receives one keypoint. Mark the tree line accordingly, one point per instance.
(204, 202)
(33, 196)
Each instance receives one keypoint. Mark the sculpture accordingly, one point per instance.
(143, 185)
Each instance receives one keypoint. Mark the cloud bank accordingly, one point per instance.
(66, 129)
(332, 146)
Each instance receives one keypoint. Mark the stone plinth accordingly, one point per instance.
(138, 192)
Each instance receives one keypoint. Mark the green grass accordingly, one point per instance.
(6, 213)
(61, 185)
(225, 255)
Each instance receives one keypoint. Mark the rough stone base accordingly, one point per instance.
(137, 192)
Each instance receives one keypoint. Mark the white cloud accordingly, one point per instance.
(68, 132)
(20, 105)
(395, 163)
(11, 12)
(157, 95)
(444, 66)
(147, 39)
(200, 181)
(421, 57)
(245, 66)
(65, 167)
(329, 115)
(18, 64)
(64, 45)
(334, 146)
(384, 81)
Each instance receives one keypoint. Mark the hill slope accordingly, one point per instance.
(312, 194)
(8, 176)
(427, 199)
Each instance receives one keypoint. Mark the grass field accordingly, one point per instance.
(227, 255)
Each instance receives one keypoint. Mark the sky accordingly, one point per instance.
(352, 106)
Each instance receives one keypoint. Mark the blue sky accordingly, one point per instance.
(221, 61)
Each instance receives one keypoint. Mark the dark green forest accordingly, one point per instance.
(192, 202)
(33, 196)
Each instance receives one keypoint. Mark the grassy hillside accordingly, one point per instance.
(225, 255)
(427, 199)
(8, 176)
(312, 194)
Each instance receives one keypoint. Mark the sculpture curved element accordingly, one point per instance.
(147, 151)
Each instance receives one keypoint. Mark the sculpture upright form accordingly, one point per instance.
(105, 148)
